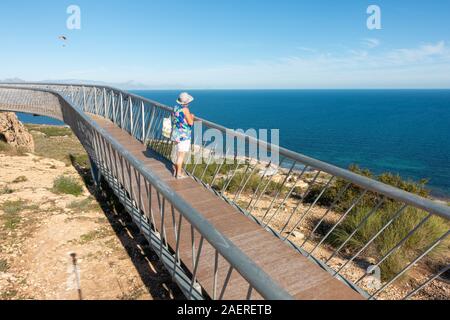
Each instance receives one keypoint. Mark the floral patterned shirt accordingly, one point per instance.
(182, 131)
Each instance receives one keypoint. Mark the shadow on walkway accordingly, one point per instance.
(149, 153)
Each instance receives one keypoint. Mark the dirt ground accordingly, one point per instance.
(39, 230)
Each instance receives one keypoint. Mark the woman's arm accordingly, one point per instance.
(189, 116)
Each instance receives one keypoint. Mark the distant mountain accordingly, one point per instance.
(12, 80)
(129, 85)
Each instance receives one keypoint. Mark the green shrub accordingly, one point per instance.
(54, 131)
(163, 147)
(80, 160)
(4, 147)
(3, 265)
(391, 236)
(11, 151)
(249, 182)
(245, 178)
(395, 180)
(97, 234)
(13, 207)
(8, 294)
(12, 221)
(352, 192)
(84, 205)
(12, 210)
(67, 185)
(6, 190)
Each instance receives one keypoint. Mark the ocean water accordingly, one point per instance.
(29, 118)
(400, 131)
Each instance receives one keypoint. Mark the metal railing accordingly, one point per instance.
(122, 171)
(351, 225)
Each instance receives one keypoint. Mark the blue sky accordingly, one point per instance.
(230, 44)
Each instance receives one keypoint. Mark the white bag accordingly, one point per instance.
(167, 128)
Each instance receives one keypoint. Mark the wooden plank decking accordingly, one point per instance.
(299, 276)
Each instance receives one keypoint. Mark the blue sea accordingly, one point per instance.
(401, 131)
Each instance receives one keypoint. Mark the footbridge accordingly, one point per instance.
(243, 227)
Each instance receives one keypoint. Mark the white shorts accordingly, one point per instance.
(183, 146)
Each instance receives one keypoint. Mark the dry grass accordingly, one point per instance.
(11, 151)
(61, 144)
(85, 204)
(67, 185)
(6, 190)
(12, 209)
(98, 234)
(50, 131)
(3, 265)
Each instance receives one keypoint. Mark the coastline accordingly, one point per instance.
(436, 194)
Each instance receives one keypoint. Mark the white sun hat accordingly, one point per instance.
(185, 98)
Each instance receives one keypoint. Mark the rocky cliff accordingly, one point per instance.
(14, 133)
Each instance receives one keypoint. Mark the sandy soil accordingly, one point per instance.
(113, 260)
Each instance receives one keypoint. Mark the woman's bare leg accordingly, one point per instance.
(174, 159)
(179, 164)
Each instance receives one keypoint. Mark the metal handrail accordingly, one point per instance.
(249, 270)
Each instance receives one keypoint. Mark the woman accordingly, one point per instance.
(182, 122)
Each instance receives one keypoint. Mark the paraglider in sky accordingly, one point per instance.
(63, 39)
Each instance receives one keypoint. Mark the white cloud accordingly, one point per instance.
(425, 66)
(371, 43)
(307, 49)
(86, 72)
(423, 53)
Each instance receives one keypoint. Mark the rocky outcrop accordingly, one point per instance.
(14, 133)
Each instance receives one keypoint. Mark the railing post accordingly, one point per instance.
(84, 99)
(152, 116)
(121, 110)
(95, 100)
(71, 93)
(114, 118)
(105, 111)
(143, 121)
(131, 115)
(95, 172)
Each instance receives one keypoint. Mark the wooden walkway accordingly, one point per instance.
(299, 276)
